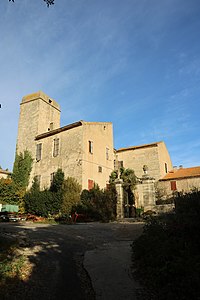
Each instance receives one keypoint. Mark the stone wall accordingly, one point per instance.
(145, 193)
(155, 156)
(183, 185)
(37, 111)
(68, 158)
(74, 157)
(99, 164)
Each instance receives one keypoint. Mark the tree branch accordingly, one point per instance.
(48, 2)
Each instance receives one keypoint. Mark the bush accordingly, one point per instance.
(71, 190)
(41, 203)
(165, 201)
(188, 204)
(98, 204)
(47, 202)
(166, 256)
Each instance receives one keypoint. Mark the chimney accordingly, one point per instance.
(174, 169)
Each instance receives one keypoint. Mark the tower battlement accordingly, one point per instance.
(42, 96)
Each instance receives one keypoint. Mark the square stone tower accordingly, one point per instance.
(38, 114)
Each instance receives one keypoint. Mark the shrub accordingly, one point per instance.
(71, 190)
(166, 256)
(188, 203)
(47, 202)
(22, 169)
(98, 204)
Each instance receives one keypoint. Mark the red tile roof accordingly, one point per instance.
(182, 173)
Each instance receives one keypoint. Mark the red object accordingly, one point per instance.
(90, 184)
(173, 186)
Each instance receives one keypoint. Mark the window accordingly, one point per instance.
(90, 184)
(55, 147)
(107, 153)
(118, 164)
(38, 179)
(99, 169)
(121, 164)
(38, 152)
(51, 126)
(91, 147)
(166, 169)
(52, 177)
(173, 185)
(107, 186)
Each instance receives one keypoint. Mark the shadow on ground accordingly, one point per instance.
(55, 264)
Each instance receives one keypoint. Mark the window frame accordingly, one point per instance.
(38, 152)
(173, 185)
(100, 169)
(107, 153)
(56, 147)
(52, 177)
(91, 149)
(38, 178)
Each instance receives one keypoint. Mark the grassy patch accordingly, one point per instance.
(13, 266)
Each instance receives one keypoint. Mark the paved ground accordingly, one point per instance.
(82, 261)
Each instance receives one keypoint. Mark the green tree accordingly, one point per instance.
(12, 190)
(71, 194)
(46, 202)
(129, 179)
(57, 181)
(99, 204)
(8, 192)
(35, 185)
(128, 182)
(22, 169)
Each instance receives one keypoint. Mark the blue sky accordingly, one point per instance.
(135, 63)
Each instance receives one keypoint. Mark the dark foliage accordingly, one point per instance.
(47, 202)
(22, 169)
(98, 204)
(165, 201)
(57, 182)
(12, 189)
(57, 200)
(43, 203)
(167, 255)
(7, 191)
(71, 190)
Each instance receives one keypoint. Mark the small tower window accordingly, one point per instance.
(38, 179)
(91, 147)
(107, 153)
(99, 169)
(51, 126)
(52, 177)
(55, 147)
(120, 164)
(166, 169)
(38, 152)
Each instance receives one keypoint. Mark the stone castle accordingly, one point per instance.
(84, 150)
